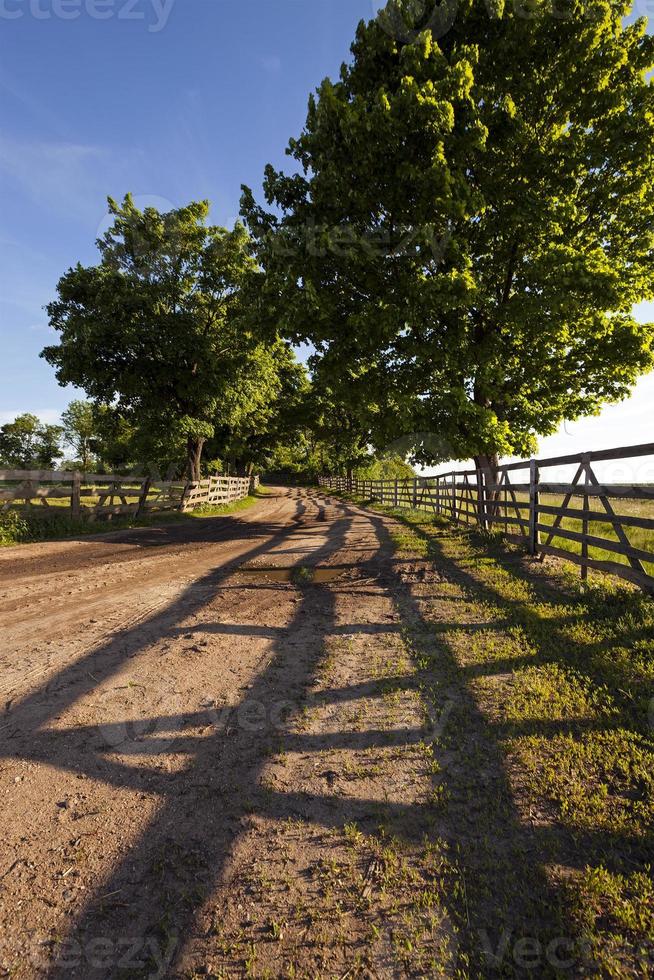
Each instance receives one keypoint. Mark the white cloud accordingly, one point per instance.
(628, 423)
(644, 312)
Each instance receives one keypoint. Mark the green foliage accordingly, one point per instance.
(116, 441)
(27, 526)
(471, 223)
(386, 468)
(14, 527)
(158, 328)
(264, 405)
(23, 526)
(79, 430)
(304, 458)
(27, 443)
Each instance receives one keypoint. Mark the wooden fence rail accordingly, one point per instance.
(94, 495)
(579, 515)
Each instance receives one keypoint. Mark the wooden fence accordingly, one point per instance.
(91, 495)
(578, 514)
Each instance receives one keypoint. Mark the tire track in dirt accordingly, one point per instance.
(98, 606)
(139, 770)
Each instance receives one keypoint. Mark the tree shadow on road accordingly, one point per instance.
(154, 894)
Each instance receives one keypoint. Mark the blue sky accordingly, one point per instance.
(94, 107)
(172, 100)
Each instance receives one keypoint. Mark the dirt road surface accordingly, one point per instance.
(212, 753)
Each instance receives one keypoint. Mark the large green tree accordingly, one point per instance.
(472, 217)
(28, 444)
(159, 327)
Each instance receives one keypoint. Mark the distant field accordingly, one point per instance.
(599, 525)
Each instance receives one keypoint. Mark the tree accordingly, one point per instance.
(264, 407)
(28, 444)
(473, 217)
(116, 440)
(386, 467)
(80, 430)
(157, 328)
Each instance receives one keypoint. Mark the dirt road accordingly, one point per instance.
(199, 753)
(314, 741)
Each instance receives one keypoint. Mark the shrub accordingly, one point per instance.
(19, 527)
(14, 527)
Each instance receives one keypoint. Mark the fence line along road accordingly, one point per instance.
(93, 495)
(578, 515)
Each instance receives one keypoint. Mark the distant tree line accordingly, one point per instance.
(281, 437)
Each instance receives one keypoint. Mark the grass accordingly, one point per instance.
(547, 759)
(599, 524)
(25, 525)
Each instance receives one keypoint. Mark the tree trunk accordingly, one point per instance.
(195, 445)
(487, 465)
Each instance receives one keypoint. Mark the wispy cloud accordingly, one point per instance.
(272, 64)
(54, 174)
(70, 179)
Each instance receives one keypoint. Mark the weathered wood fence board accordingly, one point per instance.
(520, 509)
(105, 495)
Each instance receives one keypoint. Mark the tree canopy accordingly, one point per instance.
(471, 222)
(159, 327)
(28, 444)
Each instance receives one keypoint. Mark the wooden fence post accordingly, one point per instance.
(414, 499)
(585, 459)
(481, 499)
(396, 494)
(76, 496)
(534, 535)
(185, 494)
(145, 490)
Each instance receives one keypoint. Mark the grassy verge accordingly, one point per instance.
(22, 526)
(599, 525)
(548, 754)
